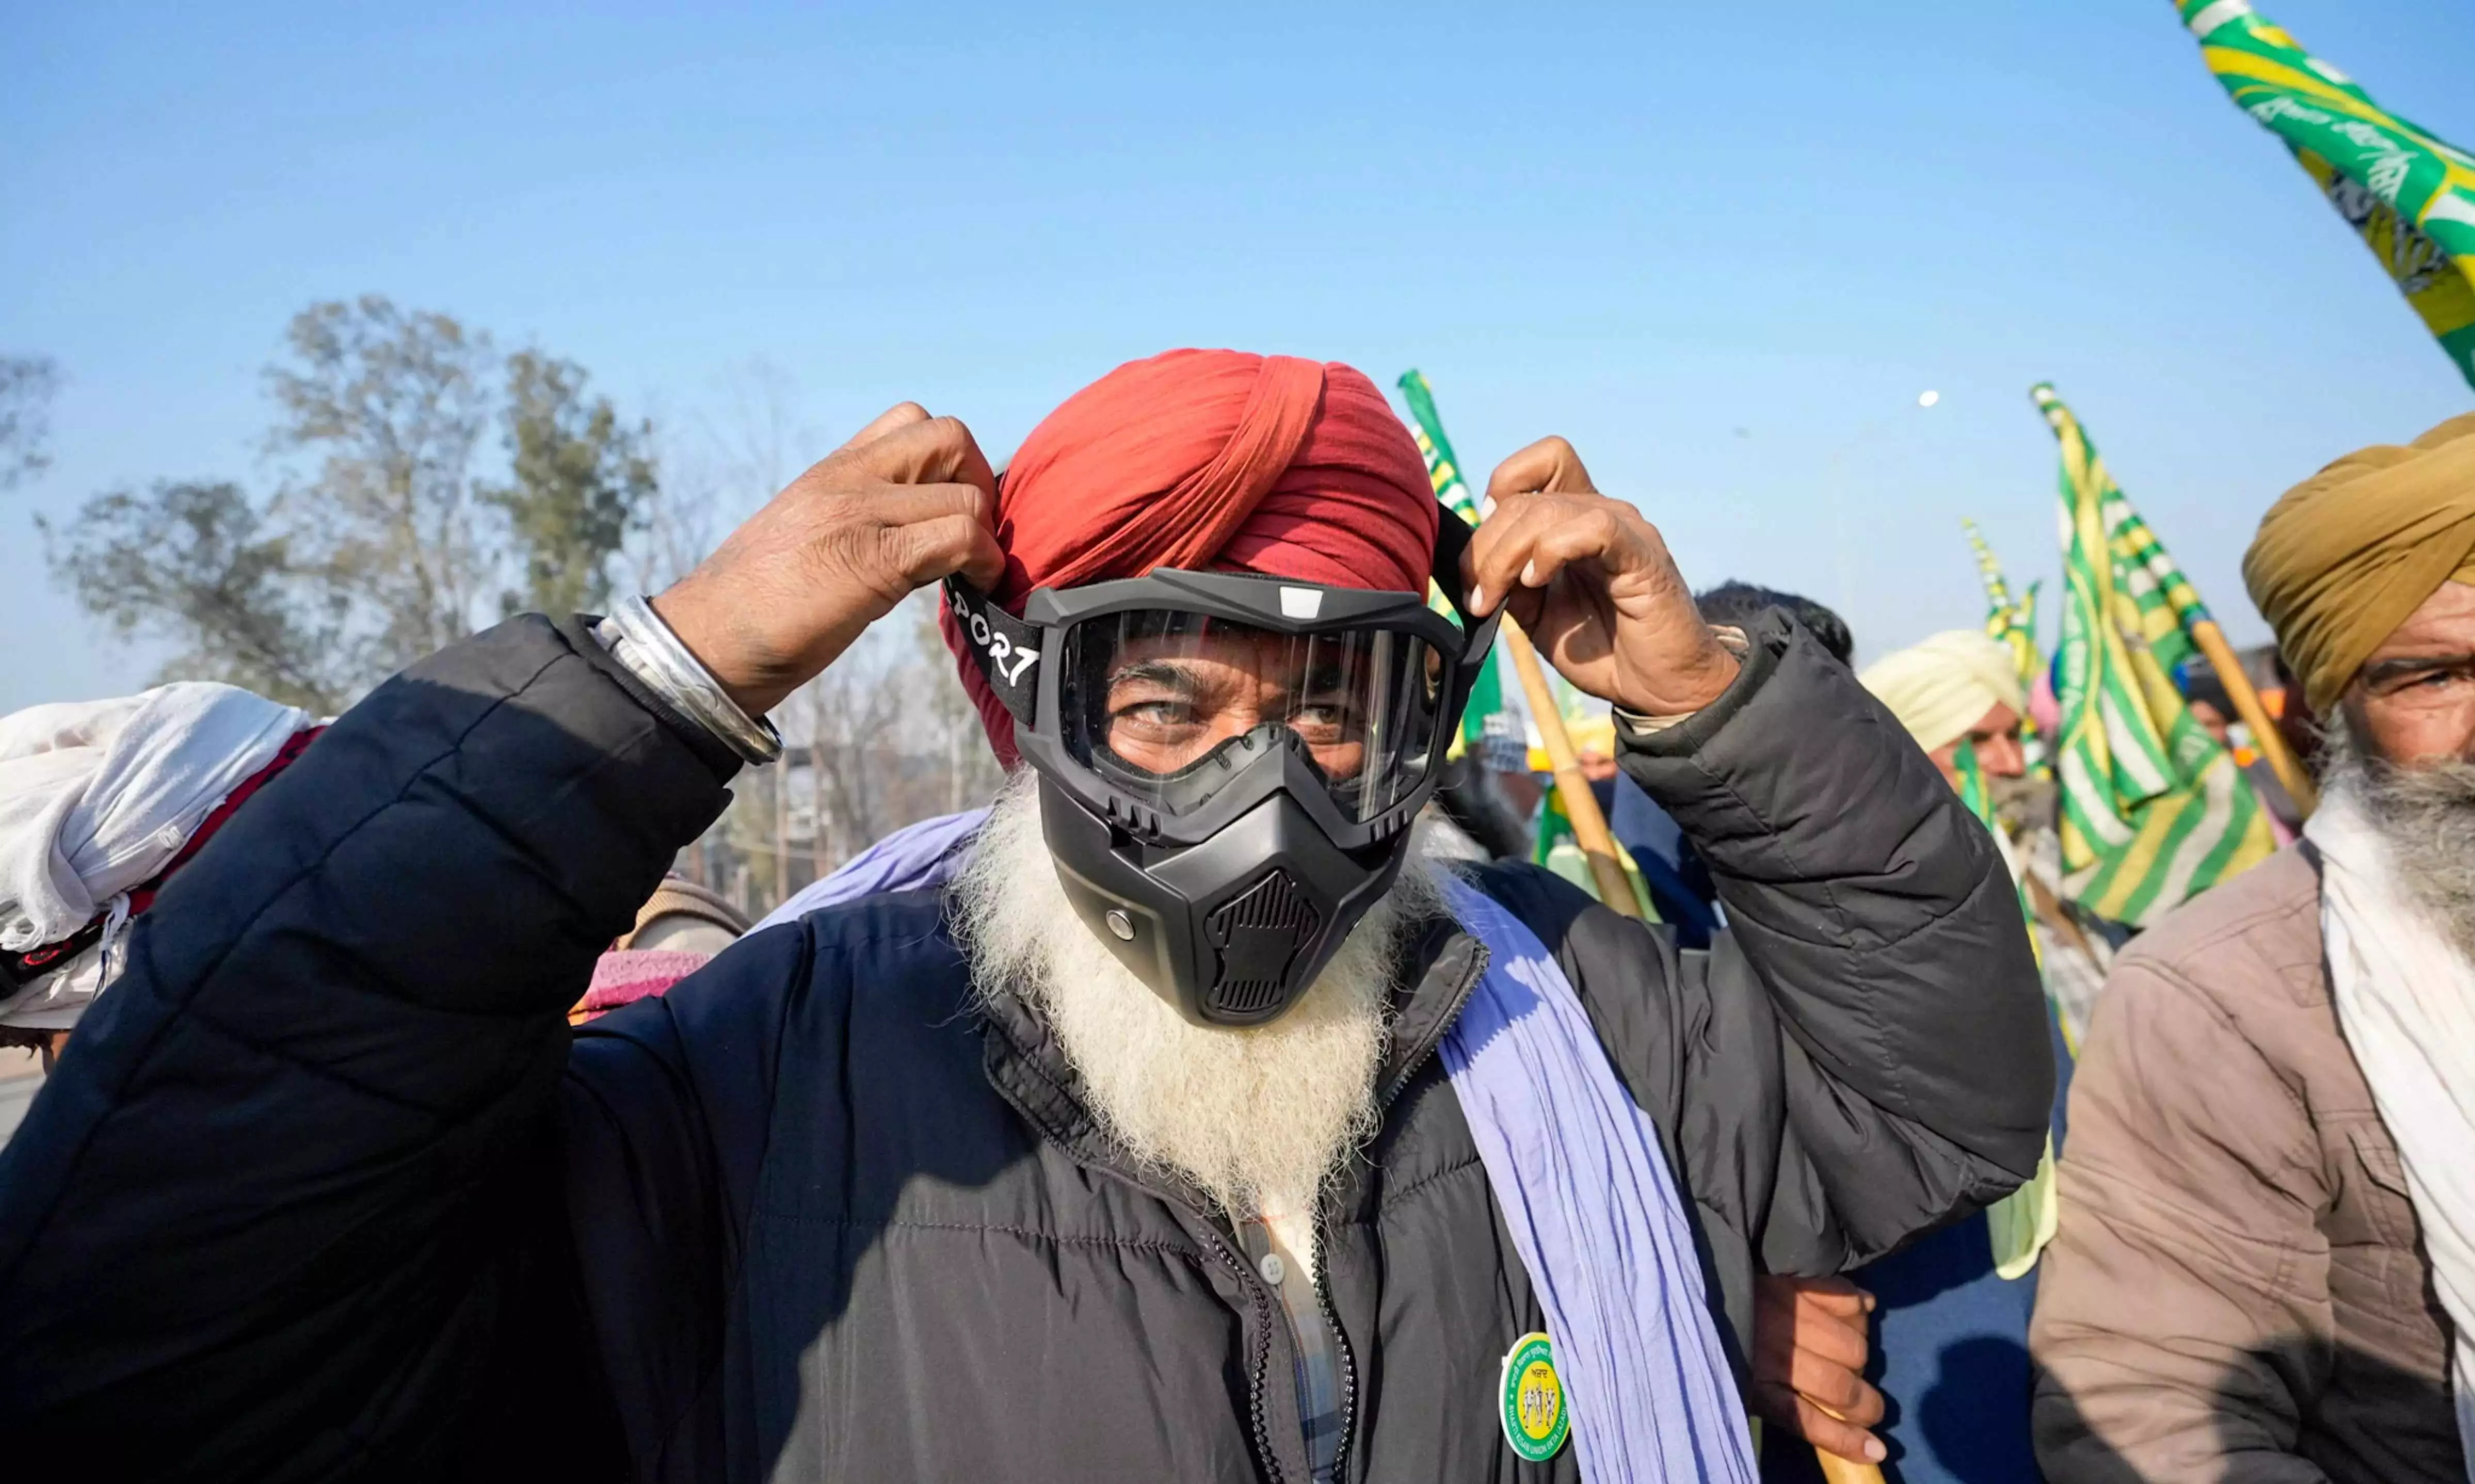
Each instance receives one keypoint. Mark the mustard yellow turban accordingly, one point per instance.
(1941, 687)
(2342, 558)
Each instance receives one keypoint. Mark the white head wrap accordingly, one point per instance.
(96, 797)
(1941, 687)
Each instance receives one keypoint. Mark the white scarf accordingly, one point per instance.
(96, 797)
(2406, 1001)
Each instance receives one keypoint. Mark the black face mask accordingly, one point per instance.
(1229, 764)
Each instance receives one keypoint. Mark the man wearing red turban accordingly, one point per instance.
(1211, 460)
(1036, 1174)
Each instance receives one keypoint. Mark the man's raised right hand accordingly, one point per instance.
(906, 503)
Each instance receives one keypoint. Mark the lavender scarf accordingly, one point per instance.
(1576, 1171)
(915, 856)
(1596, 1217)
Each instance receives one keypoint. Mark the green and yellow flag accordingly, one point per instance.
(1559, 851)
(2154, 809)
(2023, 1222)
(2409, 194)
(2015, 623)
(1444, 473)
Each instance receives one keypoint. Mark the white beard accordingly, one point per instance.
(1258, 1117)
(2426, 815)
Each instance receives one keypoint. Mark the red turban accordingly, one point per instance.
(1211, 459)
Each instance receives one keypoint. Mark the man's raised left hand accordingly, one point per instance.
(1592, 582)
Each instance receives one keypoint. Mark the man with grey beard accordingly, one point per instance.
(1201, 1129)
(2266, 1262)
(1256, 1120)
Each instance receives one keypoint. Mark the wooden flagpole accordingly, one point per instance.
(1581, 806)
(2265, 734)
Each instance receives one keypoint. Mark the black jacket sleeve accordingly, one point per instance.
(1862, 1055)
(289, 1207)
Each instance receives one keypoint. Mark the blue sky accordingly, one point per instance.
(1722, 248)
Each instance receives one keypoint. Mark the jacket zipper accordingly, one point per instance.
(1323, 1295)
(1479, 960)
(1260, 1358)
(1348, 1374)
(1252, 1281)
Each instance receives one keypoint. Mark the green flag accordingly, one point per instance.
(2015, 623)
(2023, 1222)
(1559, 850)
(1443, 472)
(2408, 194)
(1555, 828)
(2153, 808)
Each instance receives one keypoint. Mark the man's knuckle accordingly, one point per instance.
(1824, 1380)
(920, 544)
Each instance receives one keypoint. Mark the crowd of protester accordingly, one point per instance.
(1231, 1097)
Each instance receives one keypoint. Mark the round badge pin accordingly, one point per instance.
(1535, 1418)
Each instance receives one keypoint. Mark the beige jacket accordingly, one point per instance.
(2237, 1292)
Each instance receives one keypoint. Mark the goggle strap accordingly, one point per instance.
(1451, 538)
(1005, 648)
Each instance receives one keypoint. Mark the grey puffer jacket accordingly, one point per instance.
(326, 1189)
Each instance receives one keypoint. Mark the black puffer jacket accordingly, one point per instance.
(325, 1188)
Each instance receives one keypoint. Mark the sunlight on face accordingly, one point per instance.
(1996, 736)
(2413, 700)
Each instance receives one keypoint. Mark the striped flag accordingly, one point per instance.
(2409, 194)
(2015, 623)
(1444, 473)
(1559, 850)
(2020, 1223)
(2153, 808)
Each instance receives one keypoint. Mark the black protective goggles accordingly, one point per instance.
(1171, 704)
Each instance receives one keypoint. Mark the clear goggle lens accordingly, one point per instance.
(1167, 705)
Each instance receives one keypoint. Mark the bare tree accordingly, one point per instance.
(885, 737)
(760, 441)
(819, 841)
(715, 469)
(952, 721)
(682, 513)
